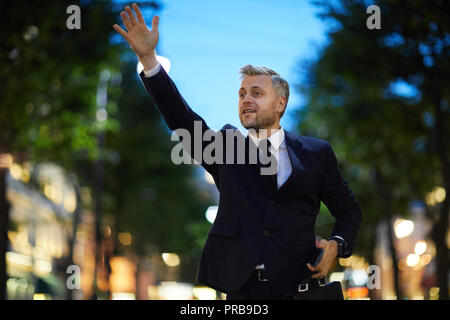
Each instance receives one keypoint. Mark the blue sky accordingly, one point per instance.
(208, 41)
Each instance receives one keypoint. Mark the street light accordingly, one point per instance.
(211, 213)
(420, 247)
(101, 115)
(435, 196)
(403, 228)
(171, 259)
(412, 260)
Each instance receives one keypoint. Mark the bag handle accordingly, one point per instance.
(304, 286)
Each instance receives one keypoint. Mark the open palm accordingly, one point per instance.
(141, 40)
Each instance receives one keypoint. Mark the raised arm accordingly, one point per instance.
(174, 109)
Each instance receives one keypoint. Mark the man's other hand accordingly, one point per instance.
(330, 251)
(141, 40)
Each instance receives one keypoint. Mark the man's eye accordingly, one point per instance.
(257, 93)
(241, 95)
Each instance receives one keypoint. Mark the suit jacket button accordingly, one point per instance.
(272, 202)
(266, 233)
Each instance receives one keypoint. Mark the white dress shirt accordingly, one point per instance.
(279, 149)
(152, 71)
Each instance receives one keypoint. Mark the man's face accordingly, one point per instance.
(259, 104)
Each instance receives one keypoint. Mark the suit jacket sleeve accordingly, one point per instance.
(176, 112)
(338, 197)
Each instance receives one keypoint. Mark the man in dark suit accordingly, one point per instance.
(262, 242)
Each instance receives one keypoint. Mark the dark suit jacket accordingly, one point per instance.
(255, 225)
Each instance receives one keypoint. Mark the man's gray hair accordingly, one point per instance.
(280, 85)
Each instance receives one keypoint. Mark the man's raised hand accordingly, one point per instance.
(141, 40)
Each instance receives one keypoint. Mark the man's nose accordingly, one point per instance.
(247, 100)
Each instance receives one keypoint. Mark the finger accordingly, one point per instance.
(155, 23)
(319, 275)
(310, 267)
(121, 31)
(131, 16)
(322, 243)
(126, 21)
(320, 265)
(138, 12)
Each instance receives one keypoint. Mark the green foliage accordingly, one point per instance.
(48, 103)
(49, 78)
(353, 101)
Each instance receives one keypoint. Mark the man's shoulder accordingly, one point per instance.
(309, 142)
(230, 130)
(228, 127)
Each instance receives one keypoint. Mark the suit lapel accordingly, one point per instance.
(294, 148)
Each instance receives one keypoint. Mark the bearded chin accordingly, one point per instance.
(264, 123)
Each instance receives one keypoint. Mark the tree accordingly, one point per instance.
(380, 96)
(49, 79)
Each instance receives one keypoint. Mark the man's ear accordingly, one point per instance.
(281, 104)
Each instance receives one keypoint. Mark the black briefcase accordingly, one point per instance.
(321, 291)
(317, 289)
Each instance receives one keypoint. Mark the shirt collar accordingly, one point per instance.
(276, 139)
